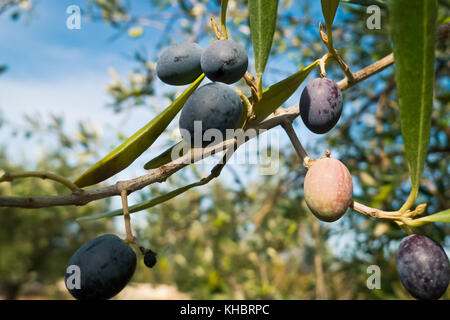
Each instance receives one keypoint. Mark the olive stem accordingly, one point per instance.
(126, 216)
(252, 84)
(410, 201)
(335, 55)
(403, 219)
(259, 86)
(405, 228)
(322, 61)
(250, 115)
(43, 175)
(218, 34)
(287, 126)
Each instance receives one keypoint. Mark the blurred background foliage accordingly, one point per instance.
(254, 238)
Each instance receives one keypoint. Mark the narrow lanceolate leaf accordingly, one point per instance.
(263, 18)
(413, 31)
(122, 156)
(277, 94)
(144, 205)
(329, 8)
(223, 18)
(443, 217)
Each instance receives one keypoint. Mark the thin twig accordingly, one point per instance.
(287, 126)
(126, 216)
(322, 61)
(335, 55)
(368, 71)
(43, 175)
(248, 107)
(218, 34)
(402, 218)
(251, 83)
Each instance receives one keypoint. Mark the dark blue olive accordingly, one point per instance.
(106, 265)
(180, 64)
(214, 106)
(423, 267)
(224, 61)
(321, 105)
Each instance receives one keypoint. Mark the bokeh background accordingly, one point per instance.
(69, 96)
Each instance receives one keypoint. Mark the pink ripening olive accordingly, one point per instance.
(328, 189)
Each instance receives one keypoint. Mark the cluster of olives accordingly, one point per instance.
(214, 105)
(328, 186)
(422, 264)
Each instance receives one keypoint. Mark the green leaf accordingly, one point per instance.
(122, 156)
(263, 18)
(164, 157)
(413, 33)
(329, 8)
(275, 95)
(223, 18)
(146, 204)
(443, 217)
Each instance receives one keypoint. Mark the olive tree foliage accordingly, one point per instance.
(35, 246)
(257, 239)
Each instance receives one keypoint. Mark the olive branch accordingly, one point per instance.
(283, 117)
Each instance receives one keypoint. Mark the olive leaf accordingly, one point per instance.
(122, 156)
(329, 8)
(146, 204)
(443, 217)
(263, 18)
(223, 17)
(413, 46)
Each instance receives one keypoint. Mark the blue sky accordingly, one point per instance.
(52, 68)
